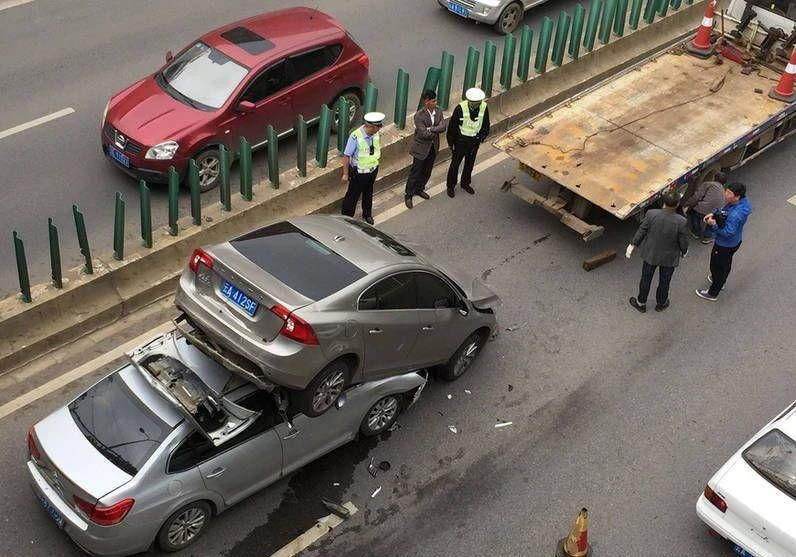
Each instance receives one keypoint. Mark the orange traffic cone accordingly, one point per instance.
(701, 45)
(577, 543)
(784, 90)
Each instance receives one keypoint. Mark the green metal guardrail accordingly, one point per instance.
(145, 203)
(273, 156)
(577, 31)
(543, 47)
(430, 84)
(470, 69)
(22, 267)
(524, 58)
(223, 186)
(401, 99)
(174, 202)
(301, 145)
(245, 169)
(591, 24)
(371, 98)
(82, 239)
(560, 41)
(488, 69)
(507, 65)
(324, 130)
(193, 186)
(118, 228)
(445, 80)
(55, 254)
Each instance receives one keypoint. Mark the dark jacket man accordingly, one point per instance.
(429, 124)
(707, 197)
(663, 238)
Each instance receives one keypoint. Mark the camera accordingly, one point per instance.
(720, 216)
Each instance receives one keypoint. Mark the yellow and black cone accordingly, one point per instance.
(577, 543)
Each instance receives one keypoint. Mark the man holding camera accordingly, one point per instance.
(726, 224)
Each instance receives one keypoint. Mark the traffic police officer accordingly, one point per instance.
(468, 128)
(361, 164)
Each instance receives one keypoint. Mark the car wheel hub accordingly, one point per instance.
(186, 526)
(382, 414)
(510, 19)
(466, 358)
(209, 168)
(328, 391)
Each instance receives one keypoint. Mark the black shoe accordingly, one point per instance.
(424, 195)
(662, 306)
(451, 193)
(368, 220)
(640, 307)
(408, 201)
(468, 189)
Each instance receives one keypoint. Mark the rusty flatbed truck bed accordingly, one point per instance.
(667, 121)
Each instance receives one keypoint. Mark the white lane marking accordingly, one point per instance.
(792, 200)
(79, 372)
(89, 367)
(321, 528)
(439, 188)
(12, 3)
(37, 122)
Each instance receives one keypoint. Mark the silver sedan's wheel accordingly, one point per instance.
(324, 390)
(184, 526)
(509, 19)
(327, 392)
(209, 164)
(381, 416)
(464, 357)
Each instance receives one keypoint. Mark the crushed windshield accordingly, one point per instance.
(774, 457)
(118, 424)
(204, 75)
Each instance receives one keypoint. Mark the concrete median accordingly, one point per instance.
(117, 288)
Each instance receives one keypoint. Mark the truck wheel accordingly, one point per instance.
(324, 390)
(463, 358)
(184, 526)
(381, 416)
(509, 19)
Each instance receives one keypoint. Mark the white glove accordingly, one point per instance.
(629, 251)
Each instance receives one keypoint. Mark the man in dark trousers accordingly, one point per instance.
(361, 164)
(726, 224)
(663, 237)
(708, 196)
(429, 123)
(467, 129)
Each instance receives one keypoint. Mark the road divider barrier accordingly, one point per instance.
(45, 316)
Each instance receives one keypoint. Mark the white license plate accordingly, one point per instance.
(458, 9)
(118, 156)
(54, 514)
(234, 295)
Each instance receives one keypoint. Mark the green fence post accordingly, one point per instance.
(524, 57)
(245, 169)
(488, 70)
(577, 31)
(470, 69)
(118, 228)
(343, 123)
(689, 2)
(543, 46)
(507, 65)
(620, 17)
(22, 267)
(607, 21)
(401, 100)
(223, 184)
(301, 145)
(324, 129)
(676, 4)
(445, 78)
(55, 254)
(663, 7)
(145, 204)
(82, 239)
(174, 207)
(562, 31)
(193, 186)
(371, 98)
(431, 83)
(649, 11)
(591, 24)
(635, 14)
(273, 157)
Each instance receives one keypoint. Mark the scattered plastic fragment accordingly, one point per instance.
(336, 484)
(373, 495)
(336, 508)
(450, 396)
(372, 469)
(468, 392)
(511, 387)
(394, 426)
(440, 412)
(503, 424)
(453, 429)
(384, 465)
(516, 326)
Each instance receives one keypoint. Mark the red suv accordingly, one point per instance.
(232, 83)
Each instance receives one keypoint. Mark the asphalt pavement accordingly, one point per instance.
(625, 414)
(60, 55)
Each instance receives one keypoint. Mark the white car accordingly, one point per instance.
(751, 500)
(504, 15)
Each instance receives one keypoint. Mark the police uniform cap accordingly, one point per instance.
(474, 94)
(375, 118)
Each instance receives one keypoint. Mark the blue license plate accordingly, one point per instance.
(458, 9)
(233, 294)
(118, 156)
(54, 514)
(741, 551)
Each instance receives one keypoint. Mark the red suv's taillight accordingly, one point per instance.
(199, 256)
(363, 61)
(105, 516)
(716, 499)
(295, 327)
(33, 450)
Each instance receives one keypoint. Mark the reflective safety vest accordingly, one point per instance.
(365, 161)
(470, 128)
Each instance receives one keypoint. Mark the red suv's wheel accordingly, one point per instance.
(209, 164)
